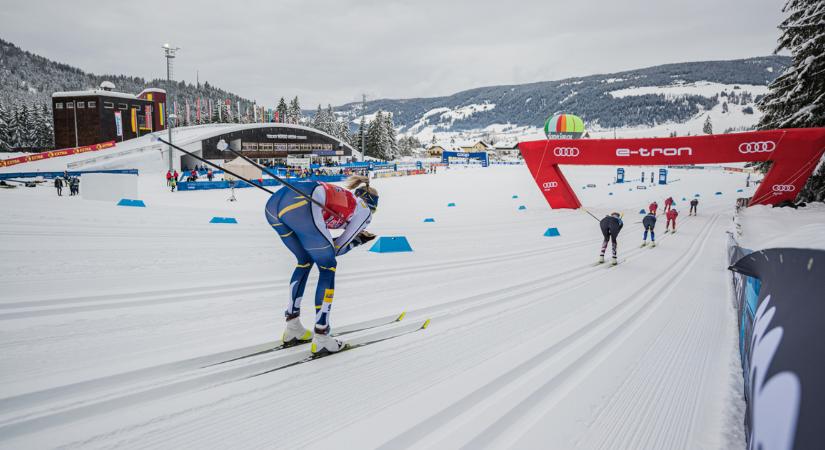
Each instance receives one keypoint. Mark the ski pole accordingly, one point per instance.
(223, 144)
(289, 186)
(214, 165)
(591, 215)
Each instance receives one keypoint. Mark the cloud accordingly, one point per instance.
(328, 51)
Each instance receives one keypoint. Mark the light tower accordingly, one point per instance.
(170, 56)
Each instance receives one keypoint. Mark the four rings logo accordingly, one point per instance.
(549, 185)
(783, 188)
(757, 147)
(566, 151)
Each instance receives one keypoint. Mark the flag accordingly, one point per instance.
(198, 111)
(187, 111)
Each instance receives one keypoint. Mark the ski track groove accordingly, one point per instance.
(438, 420)
(450, 309)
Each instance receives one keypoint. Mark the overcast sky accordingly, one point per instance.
(331, 51)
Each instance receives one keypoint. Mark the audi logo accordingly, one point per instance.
(550, 185)
(783, 188)
(566, 151)
(757, 147)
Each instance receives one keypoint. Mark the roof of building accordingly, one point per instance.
(158, 90)
(95, 93)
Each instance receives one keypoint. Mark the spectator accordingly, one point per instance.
(194, 175)
(175, 175)
(58, 184)
(74, 186)
(168, 177)
(209, 174)
(174, 184)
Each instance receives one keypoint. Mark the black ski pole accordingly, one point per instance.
(280, 180)
(289, 186)
(591, 215)
(215, 165)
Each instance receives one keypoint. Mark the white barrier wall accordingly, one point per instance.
(108, 186)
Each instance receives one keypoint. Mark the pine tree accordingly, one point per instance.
(23, 126)
(796, 99)
(330, 123)
(707, 128)
(377, 143)
(360, 136)
(47, 130)
(724, 107)
(282, 110)
(294, 111)
(392, 151)
(5, 131)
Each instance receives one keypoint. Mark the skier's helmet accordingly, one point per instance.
(616, 215)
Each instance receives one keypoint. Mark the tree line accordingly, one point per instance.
(25, 126)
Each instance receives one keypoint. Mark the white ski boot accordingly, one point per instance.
(614, 262)
(601, 259)
(295, 333)
(323, 343)
(644, 243)
(653, 244)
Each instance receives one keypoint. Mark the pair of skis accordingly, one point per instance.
(341, 331)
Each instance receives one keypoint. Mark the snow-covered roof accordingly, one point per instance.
(158, 90)
(94, 92)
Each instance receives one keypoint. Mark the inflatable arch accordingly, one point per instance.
(795, 154)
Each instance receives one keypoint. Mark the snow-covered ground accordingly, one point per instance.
(112, 318)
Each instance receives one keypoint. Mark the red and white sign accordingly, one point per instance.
(795, 153)
(55, 154)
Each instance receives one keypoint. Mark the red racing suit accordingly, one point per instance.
(652, 208)
(671, 218)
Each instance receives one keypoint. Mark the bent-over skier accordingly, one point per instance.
(304, 228)
(610, 226)
(649, 222)
(671, 219)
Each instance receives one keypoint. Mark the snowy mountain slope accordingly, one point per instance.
(112, 343)
(529, 104)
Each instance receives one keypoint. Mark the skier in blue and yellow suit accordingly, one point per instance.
(304, 228)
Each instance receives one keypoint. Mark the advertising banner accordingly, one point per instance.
(55, 154)
(118, 123)
(779, 295)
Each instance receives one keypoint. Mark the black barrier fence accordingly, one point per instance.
(780, 293)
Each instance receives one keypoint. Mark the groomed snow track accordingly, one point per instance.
(530, 346)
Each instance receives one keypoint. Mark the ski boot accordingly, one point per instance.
(295, 333)
(601, 259)
(644, 243)
(652, 244)
(614, 261)
(323, 343)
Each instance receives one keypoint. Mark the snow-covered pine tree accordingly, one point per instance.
(330, 122)
(392, 140)
(282, 110)
(724, 107)
(23, 126)
(707, 128)
(5, 131)
(318, 119)
(796, 99)
(294, 111)
(343, 131)
(377, 143)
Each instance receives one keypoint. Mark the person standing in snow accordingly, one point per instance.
(304, 228)
(649, 222)
(209, 174)
(58, 184)
(174, 184)
(168, 177)
(611, 226)
(651, 208)
(693, 204)
(671, 219)
(668, 203)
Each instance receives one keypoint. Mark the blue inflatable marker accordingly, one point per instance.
(684, 199)
(450, 205)
(522, 207)
(696, 195)
(641, 211)
(429, 219)
(223, 220)
(552, 232)
(739, 190)
(718, 193)
(391, 244)
(515, 196)
(130, 202)
(610, 193)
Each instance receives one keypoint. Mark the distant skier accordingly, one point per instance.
(649, 222)
(651, 208)
(671, 220)
(668, 203)
(58, 184)
(693, 204)
(304, 228)
(611, 226)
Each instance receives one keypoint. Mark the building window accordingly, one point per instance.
(81, 105)
(123, 106)
(135, 106)
(69, 105)
(58, 105)
(108, 105)
(91, 105)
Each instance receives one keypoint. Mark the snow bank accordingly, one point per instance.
(766, 227)
(108, 186)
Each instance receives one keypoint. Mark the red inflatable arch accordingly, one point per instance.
(795, 154)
